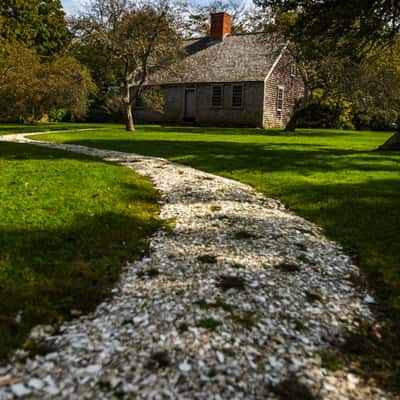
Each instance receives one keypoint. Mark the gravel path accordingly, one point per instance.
(237, 301)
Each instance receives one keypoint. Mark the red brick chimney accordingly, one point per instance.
(221, 25)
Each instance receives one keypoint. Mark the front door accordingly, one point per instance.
(190, 105)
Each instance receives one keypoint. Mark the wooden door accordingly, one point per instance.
(190, 105)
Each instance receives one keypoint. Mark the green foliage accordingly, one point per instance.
(68, 225)
(36, 24)
(57, 114)
(330, 26)
(30, 88)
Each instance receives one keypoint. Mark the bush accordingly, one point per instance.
(321, 116)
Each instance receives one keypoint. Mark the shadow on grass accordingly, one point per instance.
(45, 274)
(219, 157)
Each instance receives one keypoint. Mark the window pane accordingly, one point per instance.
(237, 96)
(279, 99)
(216, 97)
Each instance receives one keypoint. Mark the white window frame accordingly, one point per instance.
(222, 96)
(241, 98)
(280, 100)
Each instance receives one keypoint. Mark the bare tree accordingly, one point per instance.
(136, 39)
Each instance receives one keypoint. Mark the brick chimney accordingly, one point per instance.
(221, 25)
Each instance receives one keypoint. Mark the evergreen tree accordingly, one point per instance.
(36, 24)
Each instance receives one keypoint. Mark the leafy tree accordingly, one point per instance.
(327, 26)
(337, 48)
(30, 88)
(37, 24)
(131, 41)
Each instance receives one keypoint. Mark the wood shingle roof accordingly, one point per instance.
(238, 58)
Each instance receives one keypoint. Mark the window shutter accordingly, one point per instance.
(217, 96)
(237, 96)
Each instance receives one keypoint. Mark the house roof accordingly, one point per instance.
(238, 58)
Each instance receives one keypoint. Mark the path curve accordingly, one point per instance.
(241, 296)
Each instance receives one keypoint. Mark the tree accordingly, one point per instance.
(30, 88)
(137, 40)
(37, 24)
(333, 26)
(334, 44)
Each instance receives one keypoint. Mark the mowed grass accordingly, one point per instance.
(68, 224)
(9, 129)
(334, 178)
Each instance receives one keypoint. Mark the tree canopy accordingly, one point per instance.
(37, 24)
(337, 25)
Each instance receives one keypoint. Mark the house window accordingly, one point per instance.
(139, 104)
(237, 96)
(280, 99)
(217, 96)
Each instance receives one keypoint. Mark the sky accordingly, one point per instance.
(72, 6)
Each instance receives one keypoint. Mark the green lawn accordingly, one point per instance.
(68, 223)
(334, 178)
(9, 129)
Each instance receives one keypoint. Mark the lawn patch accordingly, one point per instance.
(68, 224)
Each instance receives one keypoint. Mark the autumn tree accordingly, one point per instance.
(31, 87)
(133, 40)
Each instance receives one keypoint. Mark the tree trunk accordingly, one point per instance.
(301, 105)
(292, 124)
(129, 123)
(127, 100)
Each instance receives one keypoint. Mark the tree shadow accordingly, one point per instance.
(47, 273)
(217, 157)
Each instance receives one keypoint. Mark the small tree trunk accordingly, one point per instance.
(127, 100)
(129, 123)
(301, 104)
(292, 123)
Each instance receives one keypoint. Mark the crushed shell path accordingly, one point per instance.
(240, 297)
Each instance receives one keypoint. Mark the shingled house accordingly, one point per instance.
(228, 79)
